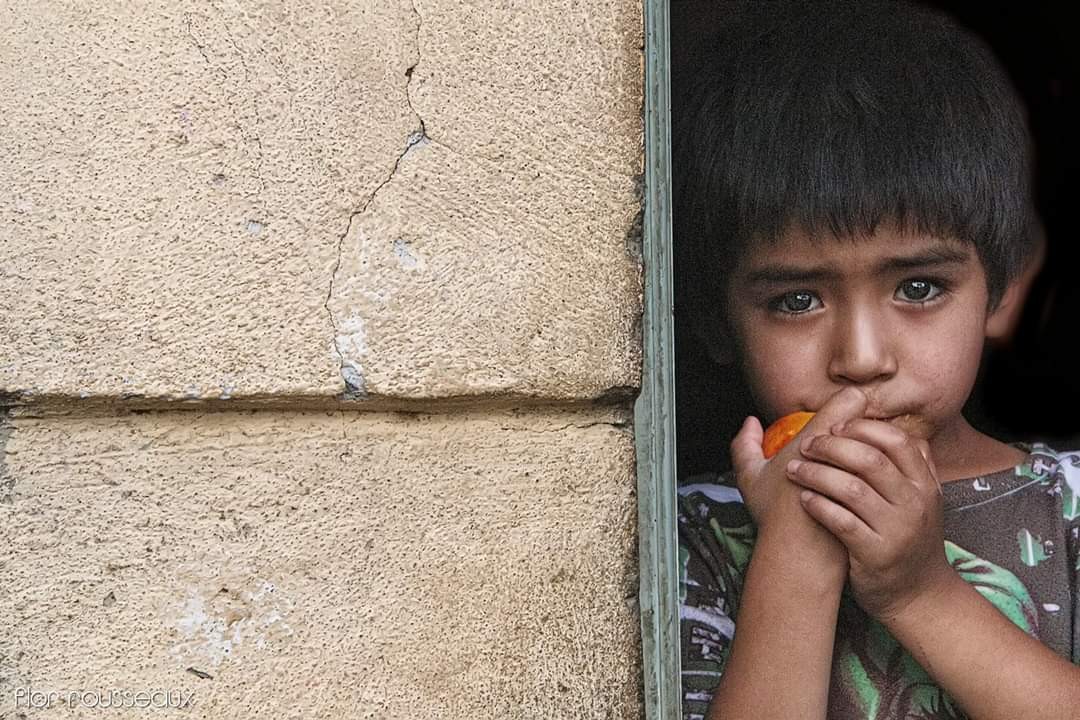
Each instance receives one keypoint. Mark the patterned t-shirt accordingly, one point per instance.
(1013, 534)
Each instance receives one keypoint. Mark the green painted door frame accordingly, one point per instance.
(654, 410)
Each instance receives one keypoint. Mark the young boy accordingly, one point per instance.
(855, 180)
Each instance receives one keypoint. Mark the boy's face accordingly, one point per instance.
(902, 317)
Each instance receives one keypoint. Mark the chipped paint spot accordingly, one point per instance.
(227, 388)
(214, 624)
(351, 339)
(416, 140)
(255, 227)
(354, 379)
(405, 257)
(351, 344)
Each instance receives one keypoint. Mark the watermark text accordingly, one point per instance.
(157, 698)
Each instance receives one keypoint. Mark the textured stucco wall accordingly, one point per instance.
(241, 201)
(238, 242)
(326, 564)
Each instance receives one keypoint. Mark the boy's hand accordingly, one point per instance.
(772, 499)
(875, 488)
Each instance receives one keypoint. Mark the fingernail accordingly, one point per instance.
(793, 466)
(805, 495)
(805, 444)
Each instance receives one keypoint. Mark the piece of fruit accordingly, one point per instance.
(780, 432)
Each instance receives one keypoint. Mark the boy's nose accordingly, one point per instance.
(862, 350)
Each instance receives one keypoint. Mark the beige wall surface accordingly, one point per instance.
(319, 337)
(239, 200)
(325, 564)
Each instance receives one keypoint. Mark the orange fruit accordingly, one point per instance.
(780, 432)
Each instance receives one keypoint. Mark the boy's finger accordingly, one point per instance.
(845, 526)
(845, 405)
(843, 488)
(746, 453)
(862, 457)
(858, 446)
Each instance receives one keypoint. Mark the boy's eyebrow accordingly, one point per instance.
(933, 257)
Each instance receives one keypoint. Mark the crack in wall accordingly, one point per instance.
(349, 369)
(409, 70)
(408, 95)
(621, 426)
(351, 372)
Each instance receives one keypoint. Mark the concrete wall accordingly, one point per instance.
(319, 337)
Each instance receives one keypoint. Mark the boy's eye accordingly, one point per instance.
(918, 290)
(796, 302)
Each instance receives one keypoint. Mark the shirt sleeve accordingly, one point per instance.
(715, 541)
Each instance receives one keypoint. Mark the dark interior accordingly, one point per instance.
(1028, 389)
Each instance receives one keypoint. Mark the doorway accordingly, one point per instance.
(1031, 40)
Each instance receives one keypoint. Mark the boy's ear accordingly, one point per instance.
(712, 333)
(1002, 320)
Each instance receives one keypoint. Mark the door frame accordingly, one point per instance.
(654, 409)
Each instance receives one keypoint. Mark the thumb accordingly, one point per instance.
(848, 404)
(746, 454)
(845, 405)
